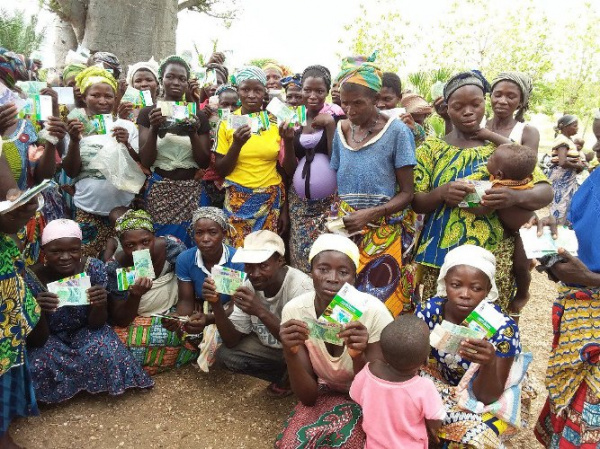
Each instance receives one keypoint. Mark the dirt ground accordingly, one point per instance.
(190, 409)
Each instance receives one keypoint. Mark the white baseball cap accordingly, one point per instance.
(258, 247)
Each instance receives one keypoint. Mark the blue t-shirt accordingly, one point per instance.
(190, 268)
(367, 177)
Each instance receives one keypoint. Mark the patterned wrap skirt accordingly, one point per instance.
(382, 271)
(334, 421)
(571, 416)
(96, 230)
(17, 396)
(154, 347)
(250, 210)
(307, 222)
(171, 203)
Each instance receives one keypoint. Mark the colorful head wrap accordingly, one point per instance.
(60, 229)
(525, 85)
(211, 213)
(108, 59)
(295, 79)
(415, 104)
(12, 68)
(223, 88)
(250, 72)
(72, 70)
(335, 242)
(472, 256)
(173, 59)
(134, 220)
(94, 75)
(462, 79)
(361, 70)
(150, 66)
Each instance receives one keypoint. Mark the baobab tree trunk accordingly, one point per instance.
(134, 30)
(64, 40)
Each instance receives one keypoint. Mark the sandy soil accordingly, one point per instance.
(190, 409)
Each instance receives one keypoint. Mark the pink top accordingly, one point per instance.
(394, 413)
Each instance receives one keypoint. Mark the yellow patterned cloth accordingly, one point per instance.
(19, 311)
(381, 271)
(575, 356)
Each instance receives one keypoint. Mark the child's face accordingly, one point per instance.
(494, 163)
(466, 287)
(228, 100)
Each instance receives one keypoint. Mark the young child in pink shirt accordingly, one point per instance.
(399, 407)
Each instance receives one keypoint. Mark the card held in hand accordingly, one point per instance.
(326, 331)
(71, 291)
(142, 261)
(125, 278)
(227, 280)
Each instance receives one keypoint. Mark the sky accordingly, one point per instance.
(296, 35)
(258, 32)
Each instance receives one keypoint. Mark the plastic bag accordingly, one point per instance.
(209, 345)
(117, 166)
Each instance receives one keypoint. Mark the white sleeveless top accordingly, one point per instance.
(516, 135)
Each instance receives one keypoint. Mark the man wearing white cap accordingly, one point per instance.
(251, 333)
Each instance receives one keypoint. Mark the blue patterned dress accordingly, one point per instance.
(78, 358)
(451, 366)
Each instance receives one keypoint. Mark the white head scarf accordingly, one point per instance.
(335, 242)
(472, 256)
(151, 66)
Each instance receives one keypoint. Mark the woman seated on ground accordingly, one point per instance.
(321, 373)
(209, 228)
(467, 278)
(82, 352)
(131, 310)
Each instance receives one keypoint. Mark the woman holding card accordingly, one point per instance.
(30, 158)
(321, 373)
(82, 353)
(442, 165)
(95, 196)
(248, 160)
(373, 156)
(131, 307)
(314, 182)
(573, 375)
(20, 315)
(174, 157)
(486, 374)
(210, 228)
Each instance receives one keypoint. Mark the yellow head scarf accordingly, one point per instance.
(94, 75)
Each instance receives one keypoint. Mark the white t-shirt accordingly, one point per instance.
(99, 196)
(296, 283)
(336, 372)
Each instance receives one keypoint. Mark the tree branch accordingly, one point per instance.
(187, 4)
(204, 7)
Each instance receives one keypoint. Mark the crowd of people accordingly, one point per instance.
(363, 192)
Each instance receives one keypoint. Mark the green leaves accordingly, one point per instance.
(18, 32)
